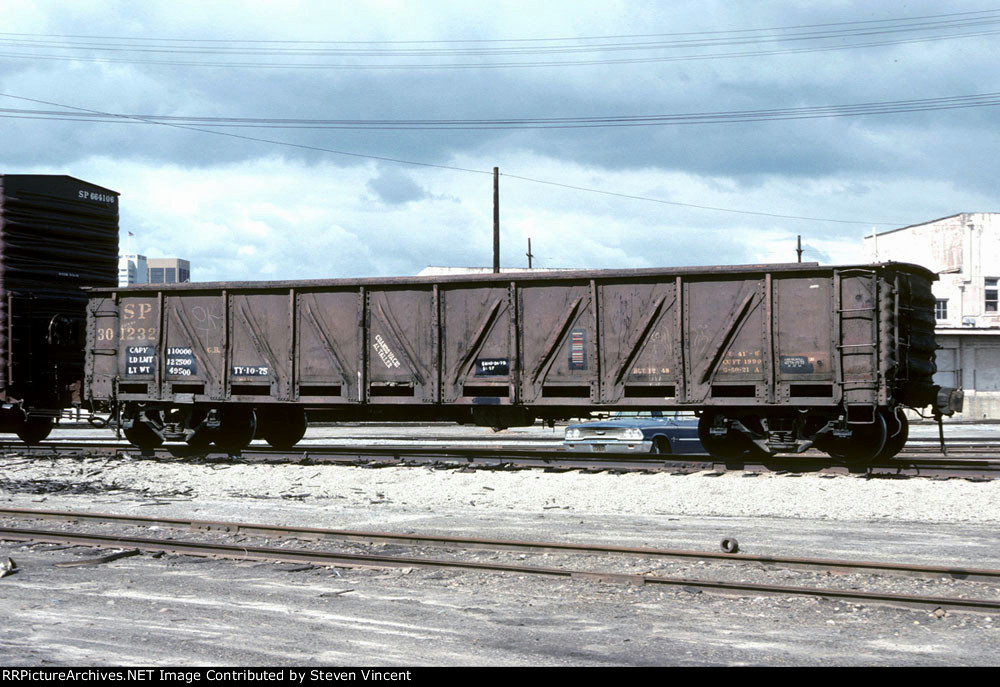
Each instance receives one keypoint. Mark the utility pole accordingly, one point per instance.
(530, 256)
(799, 249)
(496, 220)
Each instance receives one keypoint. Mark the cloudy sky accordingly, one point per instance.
(280, 140)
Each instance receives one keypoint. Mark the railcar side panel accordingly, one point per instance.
(101, 372)
(139, 355)
(261, 329)
(804, 350)
(639, 342)
(329, 342)
(479, 361)
(727, 352)
(402, 345)
(557, 330)
(193, 354)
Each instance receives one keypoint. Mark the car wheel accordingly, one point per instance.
(661, 446)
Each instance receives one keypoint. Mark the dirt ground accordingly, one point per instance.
(186, 611)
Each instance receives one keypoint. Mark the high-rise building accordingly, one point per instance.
(132, 270)
(168, 270)
(137, 269)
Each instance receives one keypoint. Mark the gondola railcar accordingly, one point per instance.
(775, 358)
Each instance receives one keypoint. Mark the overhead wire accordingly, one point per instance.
(865, 27)
(454, 167)
(675, 119)
(954, 25)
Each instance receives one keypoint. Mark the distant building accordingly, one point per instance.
(169, 270)
(137, 269)
(964, 250)
(132, 270)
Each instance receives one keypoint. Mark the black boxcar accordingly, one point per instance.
(57, 234)
(775, 357)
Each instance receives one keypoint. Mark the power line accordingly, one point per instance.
(610, 44)
(690, 205)
(892, 23)
(485, 65)
(954, 26)
(447, 167)
(718, 117)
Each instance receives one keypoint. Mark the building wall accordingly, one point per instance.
(964, 250)
(971, 362)
(132, 269)
(169, 270)
(136, 269)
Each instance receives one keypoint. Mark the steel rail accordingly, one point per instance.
(984, 466)
(912, 443)
(321, 534)
(243, 552)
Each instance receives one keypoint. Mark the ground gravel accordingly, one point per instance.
(180, 610)
(732, 494)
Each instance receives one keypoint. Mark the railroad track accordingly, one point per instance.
(972, 461)
(314, 557)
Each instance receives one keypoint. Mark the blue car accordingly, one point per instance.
(657, 432)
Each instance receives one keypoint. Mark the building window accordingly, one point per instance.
(941, 309)
(155, 275)
(991, 294)
(170, 275)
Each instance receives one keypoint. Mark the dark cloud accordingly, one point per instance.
(795, 148)
(908, 166)
(395, 187)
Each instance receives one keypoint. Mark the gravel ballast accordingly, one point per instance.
(732, 494)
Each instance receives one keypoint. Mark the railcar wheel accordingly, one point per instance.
(661, 446)
(282, 428)
(237, 426)
(10, 419)
(864, 445)
(729, 447)
(897, 432)
(142, 436)
(31, 430)
(201, 437)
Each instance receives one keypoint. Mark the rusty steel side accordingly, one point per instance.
(804, 365)
(479, 360)
(193, 343)
(641, 351)
(329, 343)
(401, 354)
(557, 325)
(778, 336)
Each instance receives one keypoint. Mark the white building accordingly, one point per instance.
(132, 269)
(964, 250)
